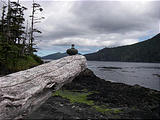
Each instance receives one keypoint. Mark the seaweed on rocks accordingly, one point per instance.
(101, 100)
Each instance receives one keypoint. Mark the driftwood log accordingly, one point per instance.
(24, 91)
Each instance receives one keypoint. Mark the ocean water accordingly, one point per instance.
(143, 74)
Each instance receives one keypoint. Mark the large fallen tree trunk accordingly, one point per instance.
(24, 91)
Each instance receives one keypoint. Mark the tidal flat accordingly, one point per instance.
(89, 97)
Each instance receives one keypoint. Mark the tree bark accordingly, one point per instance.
(25, 91)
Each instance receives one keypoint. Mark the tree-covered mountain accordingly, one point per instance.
(146, 51)
(55, 56)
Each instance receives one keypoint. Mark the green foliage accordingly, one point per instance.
(17, 64)
(74, 96)
(15, 52)
(37, 59)
(81, 97)
(104, 110)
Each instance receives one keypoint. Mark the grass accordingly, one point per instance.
(22, 63)
(12, 60)
(81, 97)
(103, 109)
(29, 62)
(12, 65)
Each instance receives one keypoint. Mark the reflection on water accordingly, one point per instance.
(144, 74)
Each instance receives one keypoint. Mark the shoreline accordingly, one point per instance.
(89, 97)
(123, 61)
(146, 75)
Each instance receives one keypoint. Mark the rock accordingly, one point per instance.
(72, 51)
(110, 101)
(24, 91)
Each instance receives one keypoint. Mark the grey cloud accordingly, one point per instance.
(95, 18)
(113, 17)
(100, 24)
(63, 31)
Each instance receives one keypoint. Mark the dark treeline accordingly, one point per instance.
(17, 37)
(146, 51)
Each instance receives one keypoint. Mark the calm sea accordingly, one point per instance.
(144, 74)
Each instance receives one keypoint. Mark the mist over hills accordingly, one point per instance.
(146, 51)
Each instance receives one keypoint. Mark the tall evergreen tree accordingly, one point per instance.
(35, 8)
(13, 35)
(2, 24)
(11, 30)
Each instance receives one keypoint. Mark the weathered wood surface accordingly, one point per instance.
(24, 91)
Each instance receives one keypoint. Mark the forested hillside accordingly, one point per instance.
(55, 56)
(146, 51)
(17, 40)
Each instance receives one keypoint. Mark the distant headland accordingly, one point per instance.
(146, 51)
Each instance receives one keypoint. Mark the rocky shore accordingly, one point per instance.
(89, 97)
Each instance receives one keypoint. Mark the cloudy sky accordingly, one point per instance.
(92, 24)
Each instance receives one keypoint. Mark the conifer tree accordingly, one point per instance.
(13, 35)
(35, 8)
(11, 30)
(2, 24)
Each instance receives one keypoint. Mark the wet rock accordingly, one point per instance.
(120, 101)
